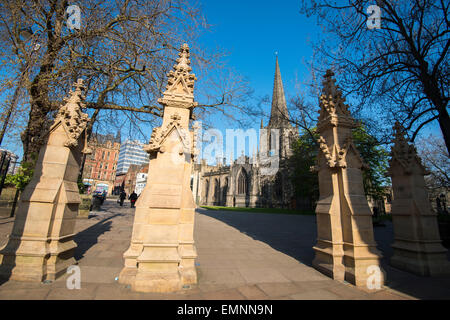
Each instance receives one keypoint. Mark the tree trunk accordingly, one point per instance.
(444, 123)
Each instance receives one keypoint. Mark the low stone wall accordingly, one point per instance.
(6, 201)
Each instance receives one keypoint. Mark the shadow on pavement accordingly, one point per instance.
(295, 235)
(88, 237)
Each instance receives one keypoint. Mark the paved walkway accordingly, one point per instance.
(240, 256)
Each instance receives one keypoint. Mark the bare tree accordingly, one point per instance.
(123, 49)
(435, 157)
(401, 70)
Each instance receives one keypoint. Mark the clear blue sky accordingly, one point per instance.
(252, 31)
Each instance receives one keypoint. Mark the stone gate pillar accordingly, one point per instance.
(162, 252)
(41, 245)
(345, 244)
(417, 243)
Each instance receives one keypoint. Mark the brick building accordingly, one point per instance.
(134, 179)
(100, 166)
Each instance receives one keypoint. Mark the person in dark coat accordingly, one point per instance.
(122, 197)
(133, 197)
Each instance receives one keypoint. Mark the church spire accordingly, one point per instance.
(279, 116)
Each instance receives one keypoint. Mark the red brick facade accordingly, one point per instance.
(100, 166)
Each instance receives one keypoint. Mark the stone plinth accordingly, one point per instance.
(85, 206)
(417, 243)
(345, 244)
(41, 244)
(162, 252)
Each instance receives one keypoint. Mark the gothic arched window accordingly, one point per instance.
(242, 182)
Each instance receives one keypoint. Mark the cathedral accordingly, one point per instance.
(252, 182)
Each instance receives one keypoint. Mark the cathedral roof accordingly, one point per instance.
(279, 116)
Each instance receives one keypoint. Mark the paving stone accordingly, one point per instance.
(24, 294)
(320, 294)
(95, 274)
(230, 294)
(385, 295)
(252, 292)
(348, 292)
(208, 287)
(274, 290)
(110, 254)
(316, 284)
(86, 292)
(301, 273)
(262, 275)
(220, 276)
(12, 284)
(118, 292)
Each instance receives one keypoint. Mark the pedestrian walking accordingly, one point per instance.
(122, 197)
(133, 197)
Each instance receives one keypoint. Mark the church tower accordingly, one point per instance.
(279, 119)
(276, 140)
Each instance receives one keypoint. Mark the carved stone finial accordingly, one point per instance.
(403, 152)
(179, 79)
(332, 104)
(71, 116)
(180, 82)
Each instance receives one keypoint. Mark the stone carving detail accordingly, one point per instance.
(332, 104)
(324, 148)
(345, 245)
(159, 134)
(405, 153)
(70, 115)
(180, 82)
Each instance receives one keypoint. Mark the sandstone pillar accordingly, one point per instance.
(345, 244)
(162, 252)
(417, 244)
(41, 245)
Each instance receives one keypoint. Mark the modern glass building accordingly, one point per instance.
(131, 152)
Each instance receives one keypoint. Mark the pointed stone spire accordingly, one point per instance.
(333, 109)
(403, 152)
(180, 82)
(71, 116)
(332, 104)
(279, 115)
